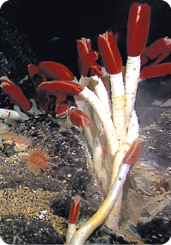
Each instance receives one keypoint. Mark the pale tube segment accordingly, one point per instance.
(108, 125)
(86, 230)
(131, 83)
(118, 104)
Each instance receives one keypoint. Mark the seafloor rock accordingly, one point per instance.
(48, 195)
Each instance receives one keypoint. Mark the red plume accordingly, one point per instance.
(138, 28)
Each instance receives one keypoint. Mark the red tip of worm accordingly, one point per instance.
(74, 211)
(133, 153)
(138, 28)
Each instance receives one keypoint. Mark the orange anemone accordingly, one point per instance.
(22, 142)
(38, 159)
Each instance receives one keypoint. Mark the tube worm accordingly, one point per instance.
(34, 75)
(73, 216)
(49, 69)
(131, 136)
(87, 64)
(84, 46)
(95, 132)
(155, 71)
(62, 109)
(87, 58)
(106, 120)
(89, 132)
(137, 34)
(55, 71)
(78, 118)
(138, 28)
(113, 63)
(128, 161)
(13, 115)
(99, 159)
(110, 54)
(32, 70)
(101, 92)
(132, 155)
(15, 94)
(82, 105)
(160, 48)
(62, 87)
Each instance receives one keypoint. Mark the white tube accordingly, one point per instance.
(13, 115)
(106, 120)
(86, 230)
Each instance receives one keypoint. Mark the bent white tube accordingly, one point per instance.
(70, 232)
(106, 120)
(101, 92)
(13, 115)
(86, 230)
